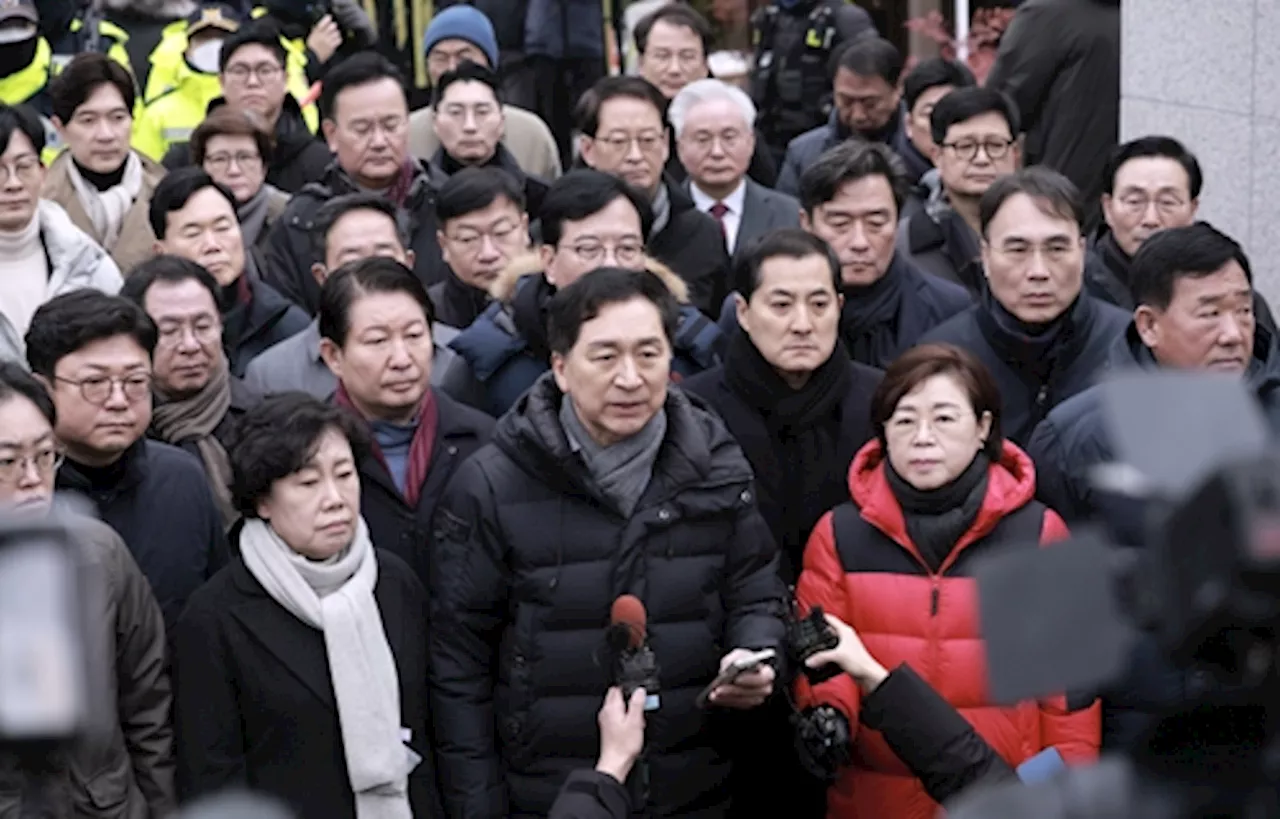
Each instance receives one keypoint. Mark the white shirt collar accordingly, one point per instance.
(735, 201)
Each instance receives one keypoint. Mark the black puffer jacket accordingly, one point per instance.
(528, 560)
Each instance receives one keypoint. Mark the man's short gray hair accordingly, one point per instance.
(705, 91)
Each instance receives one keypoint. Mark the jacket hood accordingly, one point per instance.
(697, 450)
(1011, 484)
(75, 260)
(503, 289)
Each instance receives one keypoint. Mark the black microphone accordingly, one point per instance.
(633, 663)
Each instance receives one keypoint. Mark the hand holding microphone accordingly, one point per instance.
(634, 665)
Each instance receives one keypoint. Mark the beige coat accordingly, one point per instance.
(136, 241)
(527, 137)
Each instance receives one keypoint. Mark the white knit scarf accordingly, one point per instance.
(107, 208)
(336, 597)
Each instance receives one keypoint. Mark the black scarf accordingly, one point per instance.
(1118, 264)
(460, 303)
(1030, 348)
(937, 518)
(792, 439)
(529, 312)
(869, 320)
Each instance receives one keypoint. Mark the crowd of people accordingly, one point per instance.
(384, 388)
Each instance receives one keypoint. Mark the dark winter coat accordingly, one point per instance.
(298, 159)
(443, 166)
(936, 240)
(590, 794)
(291, 248)
(805, 149)
(158, 500)
(255, 703)
(258, 319)
(1033, 379)
(396, 527)
(692, 245)
(529, 558)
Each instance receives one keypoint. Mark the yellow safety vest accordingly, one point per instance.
(117, 36)
(168, 64)
(23, 86)
(172, 116)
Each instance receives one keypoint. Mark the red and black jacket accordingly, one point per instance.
(861, 566)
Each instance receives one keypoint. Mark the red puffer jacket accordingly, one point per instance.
(876, 580)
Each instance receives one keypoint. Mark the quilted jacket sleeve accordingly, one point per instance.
(822, 584)
(468, 580)
(755, 597)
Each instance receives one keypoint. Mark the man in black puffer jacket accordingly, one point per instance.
(601, 481)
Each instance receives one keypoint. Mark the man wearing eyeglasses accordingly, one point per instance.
(623, 127)
(93, 353)
(469, 123)
(42, 252)
(253, 79)
(974, 144)
(589, 220)
(196, 398)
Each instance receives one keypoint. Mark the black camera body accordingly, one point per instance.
(823, 741)
(806, 636)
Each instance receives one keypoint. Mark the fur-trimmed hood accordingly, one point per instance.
(503, 288)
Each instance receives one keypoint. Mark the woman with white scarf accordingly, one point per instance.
(300, 668)
(104, 186)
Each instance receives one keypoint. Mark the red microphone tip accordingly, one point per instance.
(628, 610)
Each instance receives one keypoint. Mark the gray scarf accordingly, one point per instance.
(661, 210)
(253, 215)
(621, 471)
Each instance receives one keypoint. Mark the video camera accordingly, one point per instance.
(1194, 451)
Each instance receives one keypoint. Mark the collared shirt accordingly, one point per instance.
(735, 202)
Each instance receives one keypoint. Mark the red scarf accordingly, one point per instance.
(420, 448)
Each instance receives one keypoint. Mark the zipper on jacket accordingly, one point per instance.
(933, 600)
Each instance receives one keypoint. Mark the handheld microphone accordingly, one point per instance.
(633, 662)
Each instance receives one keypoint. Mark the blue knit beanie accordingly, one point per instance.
(463, 22)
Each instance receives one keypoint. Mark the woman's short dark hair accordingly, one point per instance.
(16, 382)
(278, 437)
(224, 121)
(364, 277)
(84, 75)
(580, 302)
(68, 323)
(167, 268)
(921, 363)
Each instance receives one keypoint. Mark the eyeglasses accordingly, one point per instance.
(204, 330)
(620, 143)
(1166, 204)
(470, 241)
(967, 149)
(97, 389)
(448, 60)
(26, 170)
(244, 160)
(263, 71)
(703, 140)
(624, 252)
(46, 461)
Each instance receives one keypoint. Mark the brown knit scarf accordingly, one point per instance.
(194, 418)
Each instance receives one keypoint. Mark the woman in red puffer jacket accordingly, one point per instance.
(937, 489)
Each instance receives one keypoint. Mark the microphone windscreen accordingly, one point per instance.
(628, 610)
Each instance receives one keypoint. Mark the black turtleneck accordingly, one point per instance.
(457, 303)
(936, 519)
(102, 478)
(101, 181)
(451, 166)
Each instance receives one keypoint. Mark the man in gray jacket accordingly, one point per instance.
(42, 254)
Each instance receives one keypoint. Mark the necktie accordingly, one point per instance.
(718, 211)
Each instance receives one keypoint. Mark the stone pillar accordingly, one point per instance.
(1207, 72)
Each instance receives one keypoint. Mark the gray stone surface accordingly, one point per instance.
(1209, 75)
